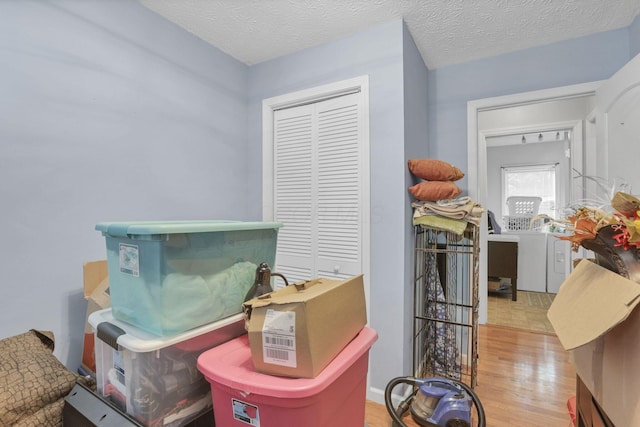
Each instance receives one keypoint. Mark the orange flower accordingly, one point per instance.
(583, 229)
(586, 221)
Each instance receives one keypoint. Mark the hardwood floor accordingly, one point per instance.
(524, 379)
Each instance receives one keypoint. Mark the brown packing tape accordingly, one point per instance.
(290, 294)
(300, 286)
(265, 300)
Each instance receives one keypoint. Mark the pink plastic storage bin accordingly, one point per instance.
(241, 396)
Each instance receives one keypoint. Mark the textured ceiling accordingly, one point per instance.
(446, 32)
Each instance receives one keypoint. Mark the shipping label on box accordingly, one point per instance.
(96, 292)
(595, 317)
(298, 330)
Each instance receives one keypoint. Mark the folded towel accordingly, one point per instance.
(439, 222)
(461, 208)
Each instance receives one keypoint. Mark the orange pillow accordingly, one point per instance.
(431, 191)
(434, 170)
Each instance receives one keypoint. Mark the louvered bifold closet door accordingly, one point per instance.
(317, 189)
(293, 190)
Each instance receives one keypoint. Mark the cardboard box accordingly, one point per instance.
(96, 292)
(595, 318)
(296, 332)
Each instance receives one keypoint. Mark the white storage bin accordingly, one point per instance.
(155, 379)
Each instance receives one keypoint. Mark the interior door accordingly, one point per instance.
(618, 128)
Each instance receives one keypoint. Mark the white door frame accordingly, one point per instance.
(269, 106)
(477, 157)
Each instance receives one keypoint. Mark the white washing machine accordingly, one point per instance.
(532, 260)
(558, 262)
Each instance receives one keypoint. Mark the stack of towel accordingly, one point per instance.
(438, 205)
(449, 215)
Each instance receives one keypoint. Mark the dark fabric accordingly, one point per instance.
(33, 382)
(445, 355)
(494, 228)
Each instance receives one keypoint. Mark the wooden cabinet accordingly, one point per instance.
(589, 413)
(503, 262)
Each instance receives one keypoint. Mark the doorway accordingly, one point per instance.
(477, 154)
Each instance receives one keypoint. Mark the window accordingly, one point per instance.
(531, 180)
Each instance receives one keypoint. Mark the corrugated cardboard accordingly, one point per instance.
(96, 292)
(493, 285)
(595, 318)
(296, 333)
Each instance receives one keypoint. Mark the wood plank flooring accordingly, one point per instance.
(524, 379)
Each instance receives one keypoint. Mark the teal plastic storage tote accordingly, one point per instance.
(169, 277)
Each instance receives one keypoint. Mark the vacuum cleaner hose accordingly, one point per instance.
(397, 413)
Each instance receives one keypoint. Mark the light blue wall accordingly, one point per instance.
(586, 59)
(108, 112)
(378, 53)
(634, 37)
(415, 146)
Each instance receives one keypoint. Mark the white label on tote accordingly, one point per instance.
(245, 412)
(279, 338)
(129, 260)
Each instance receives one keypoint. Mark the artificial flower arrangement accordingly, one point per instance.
(612, 216)
(612, 233)
(608, 225)
(586, 223)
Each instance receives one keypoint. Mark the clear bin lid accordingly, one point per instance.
(140, 341)
(124, 229)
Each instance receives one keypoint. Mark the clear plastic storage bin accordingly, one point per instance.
(169, 277)
(155, 379)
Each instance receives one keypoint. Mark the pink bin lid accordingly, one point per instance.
(230, 364)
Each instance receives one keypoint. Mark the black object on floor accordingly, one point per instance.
(84, 408)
